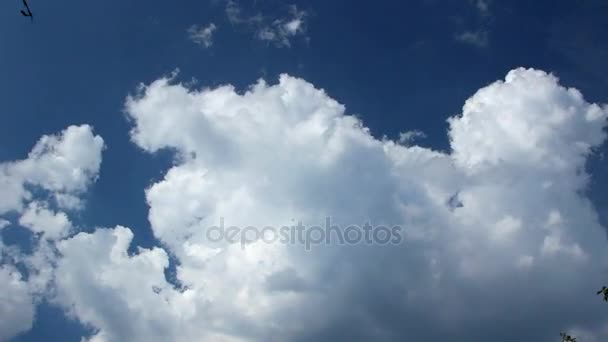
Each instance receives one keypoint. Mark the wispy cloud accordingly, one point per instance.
(277, 30)
(282, 30)
(479, 38)
(234, 12)
(407, 138)
(483, 6)
(479, 34)
(202, 36)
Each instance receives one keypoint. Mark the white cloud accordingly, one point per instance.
(202, 36)
(483, 6)
(479, 38)
(16, 304)
(59, 167)
(96, 277)
(61, 164)
(278, 31)
(554, 139)
(68, 201)
(294, 25)
(235, 14)
(40, 219)
(284, 151)
(409, 137)
(282, 30)
(524, 248)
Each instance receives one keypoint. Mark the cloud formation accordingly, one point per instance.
(16, 306)
(500, 243)
(51, 179)
(202, 35)
(63, 165)
(278, 31)
(480, 36)
(483, 6)
(282, 30)
(477, 38)
(411, 136)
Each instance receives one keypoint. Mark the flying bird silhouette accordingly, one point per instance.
(28, 13)
(567, 338)
(604, 291)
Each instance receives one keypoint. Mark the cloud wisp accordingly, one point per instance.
(480, 36)
(278, 31)
(476, 38)
(202, 35)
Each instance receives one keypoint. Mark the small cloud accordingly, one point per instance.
(283, 29)
(267, 33)
(202, 36)
(233, 12)
(407, 138)
(235, 15)
(483, 6)
(479, 35)
(479, 38)
(278, 31)
(294, 26)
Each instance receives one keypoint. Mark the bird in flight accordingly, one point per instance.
(28, 13)
(567, 338)
(604, 291)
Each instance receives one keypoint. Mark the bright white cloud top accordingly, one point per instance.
(523, 244)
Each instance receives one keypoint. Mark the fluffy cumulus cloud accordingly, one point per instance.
(37, 190)
(522, 245)
(39, 219)
(499, 242)
(16, 305)
(63, 165)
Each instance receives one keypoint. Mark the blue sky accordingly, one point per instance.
(396, 66)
